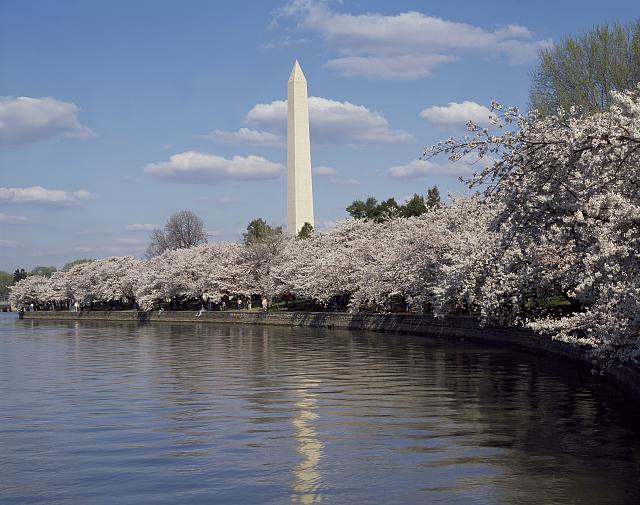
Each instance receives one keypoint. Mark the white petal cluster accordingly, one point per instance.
(565, 190)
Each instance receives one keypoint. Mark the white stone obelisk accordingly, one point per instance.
(299, 190)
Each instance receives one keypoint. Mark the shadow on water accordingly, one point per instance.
(98, 413)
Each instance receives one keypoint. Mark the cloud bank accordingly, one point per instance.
(456, 115)
(24, 120)
(40, 195)
(418, 168)
(406, 45)
(192, 166)
(247, 136)
(330, 121)
(142, 227)
(324, 171)
(9, 219)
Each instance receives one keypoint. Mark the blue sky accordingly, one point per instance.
(115, 114)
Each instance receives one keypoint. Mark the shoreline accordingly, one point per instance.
(625, 376)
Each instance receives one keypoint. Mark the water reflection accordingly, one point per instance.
(95, 413)
(307, 477)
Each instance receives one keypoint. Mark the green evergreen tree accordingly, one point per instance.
(388, 209)
(414, 207)
(19, 274)
(305, 231)
(367, 209)
(433, 198)
(258, 230)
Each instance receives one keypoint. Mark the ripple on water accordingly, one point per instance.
(176, 414)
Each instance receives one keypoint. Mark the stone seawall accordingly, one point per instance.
(451, 327)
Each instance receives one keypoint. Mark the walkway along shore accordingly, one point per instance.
(452, 327)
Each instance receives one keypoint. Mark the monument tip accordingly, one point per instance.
(296, 73)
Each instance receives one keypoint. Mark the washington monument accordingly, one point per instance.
(299, 190)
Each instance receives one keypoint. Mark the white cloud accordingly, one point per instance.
(214, 233)
(248, 136)
(195, 166)
(142, 227)
(9, 219)
(324, 171)
(378, 46)
(422, 168)
(520, 52)
(343, 181)
(38, 194)
(8, 243)
(24, 120)
(405, 66)
(331, 122)
(457, 114)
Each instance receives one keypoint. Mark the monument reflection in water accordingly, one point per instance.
(161, 413)
(306, 474)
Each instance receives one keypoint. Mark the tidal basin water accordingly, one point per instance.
(94, 413)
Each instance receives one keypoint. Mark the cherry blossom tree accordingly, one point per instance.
(566, 193)
(32, 289)
(203, 273)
